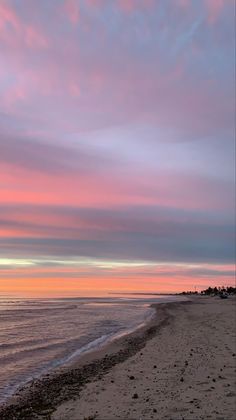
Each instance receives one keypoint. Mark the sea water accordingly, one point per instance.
(37, 335)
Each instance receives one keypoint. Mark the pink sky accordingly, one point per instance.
(117, 152)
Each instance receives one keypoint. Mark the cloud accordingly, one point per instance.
(71, 8)
(127, 6)
(14, 32)
(112, 64)
(8, 16)
(117, 131)
(84, 174)
(149, 233)
(37, 156)
(214, 9)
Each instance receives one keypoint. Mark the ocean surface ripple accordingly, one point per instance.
(37, 335)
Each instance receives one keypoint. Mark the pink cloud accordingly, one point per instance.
(214, 8)
(129, 6)
(34, 38)
(74, 89)
(23, 34)
(8, 16)
(184, 3)
(97, 189)
(71, 7)
(14, 96)
(104, 87)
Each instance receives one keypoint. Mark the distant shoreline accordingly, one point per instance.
(144, 294)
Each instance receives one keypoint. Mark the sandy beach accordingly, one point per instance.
(180, 366)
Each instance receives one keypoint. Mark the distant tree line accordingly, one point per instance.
(215, 291)
(219, 290)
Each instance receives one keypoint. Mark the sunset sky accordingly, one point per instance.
(116, 145)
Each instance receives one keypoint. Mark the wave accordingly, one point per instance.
(95, 344)
(107, 338)
(35, 310)
(38, 339)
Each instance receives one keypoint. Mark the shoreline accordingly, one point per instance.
(181, 365)
(31, 400)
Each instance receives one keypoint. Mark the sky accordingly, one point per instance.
(117, 152)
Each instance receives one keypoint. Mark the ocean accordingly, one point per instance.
(37, 335)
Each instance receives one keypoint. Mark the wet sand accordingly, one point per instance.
(180, 366)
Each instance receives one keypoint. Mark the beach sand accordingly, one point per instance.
(182, 366)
